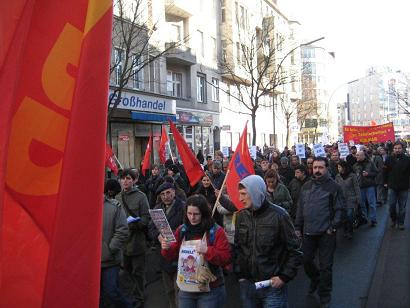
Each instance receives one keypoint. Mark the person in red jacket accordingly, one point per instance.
(211, 244)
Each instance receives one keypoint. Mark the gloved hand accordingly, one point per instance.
(204, 275)
(131, 219)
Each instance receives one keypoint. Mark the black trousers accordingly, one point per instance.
(325, 245)
(135, 267)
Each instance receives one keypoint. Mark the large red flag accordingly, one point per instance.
(110, 160)
(240, 166)
(147, 157)
(162, 150)
(54, 70)
(192, 166)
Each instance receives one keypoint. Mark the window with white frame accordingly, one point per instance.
(200, 42)
(215, 90)
(174, 84)
(201, 88)
(118, 58)
(213, 46)
(137, 71)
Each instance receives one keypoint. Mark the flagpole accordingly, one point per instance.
(220, 192)
(212, 184)
(119, 163)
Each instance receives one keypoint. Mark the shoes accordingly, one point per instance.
(401, 227)
(373, 224)
(313, 286)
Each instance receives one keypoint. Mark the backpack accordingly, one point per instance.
(212, 233)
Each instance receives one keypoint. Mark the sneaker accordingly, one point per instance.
(313, 286)
(401, 227)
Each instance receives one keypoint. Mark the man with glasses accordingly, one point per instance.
(173, 208)
(135, 204)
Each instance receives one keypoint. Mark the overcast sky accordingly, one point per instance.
(362, 33)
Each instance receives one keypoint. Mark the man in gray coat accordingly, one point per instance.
(135, 204)
(319, 214)
(114, 235)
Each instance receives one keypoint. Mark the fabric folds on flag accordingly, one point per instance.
(110, 160)
(54, 72)
(240, 166)
(162, 150)
(147, 157)
(192, 166)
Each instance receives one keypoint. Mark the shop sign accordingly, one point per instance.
(185, 117)
(139, 102)
(124, 138)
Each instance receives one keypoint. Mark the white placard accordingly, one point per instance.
(300, 150)
(161, 222)
(319, 150)
(252, 151)
(225, 151)
(343, 150)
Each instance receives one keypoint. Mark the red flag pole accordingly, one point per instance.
(220, 192)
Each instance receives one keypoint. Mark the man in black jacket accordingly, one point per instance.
(295, 186)
(319, 214)
(396, 178)
(266, 246)
(173, 208)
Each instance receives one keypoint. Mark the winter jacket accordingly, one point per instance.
(227, 210)
(114, 233)
(135, 204)
(265, 244)
(175, 216)
(287, 174)
(218, 179)
(397, 172)
(351, 190)
(218, 254)
(370, 168)
(294, 189)
(379, 163)
(280, 196)
(151, 186)
(209, 194)
(321, 206)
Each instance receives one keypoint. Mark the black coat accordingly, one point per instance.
(397, 172)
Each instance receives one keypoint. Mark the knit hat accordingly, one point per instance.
(173, 168)
(284, 160)
(164, 186)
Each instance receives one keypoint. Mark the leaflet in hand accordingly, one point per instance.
(160, 220)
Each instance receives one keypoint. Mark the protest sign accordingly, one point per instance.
(365, 134)
(160, 220)
(343, 150)
(319, 150)
(300, 150)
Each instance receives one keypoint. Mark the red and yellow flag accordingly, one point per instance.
(54, 70)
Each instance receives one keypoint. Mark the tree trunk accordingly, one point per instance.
(287, 130)
(253, 116)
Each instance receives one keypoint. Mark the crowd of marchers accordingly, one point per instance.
(292, 209)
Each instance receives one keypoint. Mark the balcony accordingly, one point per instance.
(180, 54)
(179, 8)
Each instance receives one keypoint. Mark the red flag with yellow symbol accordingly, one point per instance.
(54, 70)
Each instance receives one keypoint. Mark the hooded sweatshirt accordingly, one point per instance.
(256, 188)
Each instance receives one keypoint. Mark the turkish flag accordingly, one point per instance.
(162, 150)
(147, 157)
(192, 166)
(54, 76)
(240, 166)
(110, 160)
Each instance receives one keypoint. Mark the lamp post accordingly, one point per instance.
(275, 82)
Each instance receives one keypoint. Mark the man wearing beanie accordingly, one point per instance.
(266, 246)
(285, 171)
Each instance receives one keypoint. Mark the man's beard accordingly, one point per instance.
(318, 174)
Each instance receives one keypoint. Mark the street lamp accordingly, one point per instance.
(275, 76)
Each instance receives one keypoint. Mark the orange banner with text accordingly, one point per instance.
(365, 134)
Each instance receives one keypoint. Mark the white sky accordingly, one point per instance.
(362, 33)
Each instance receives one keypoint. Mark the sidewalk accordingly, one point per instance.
(390, 287)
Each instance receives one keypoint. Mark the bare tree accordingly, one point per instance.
(134, 49)
(255, 72)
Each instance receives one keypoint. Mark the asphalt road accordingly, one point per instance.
(354, 267)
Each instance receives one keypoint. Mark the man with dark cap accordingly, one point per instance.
(135, 204)
(208, 165)
(266, 247)
(173, 208)
(173, 171)
(285, 171)
(217, 176)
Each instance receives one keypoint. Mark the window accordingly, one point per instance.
(238, 53)
(153, 75)
(174, 84)
(224, 51)
(175, 33)
(236, 13)
(200, 42)
(215, 90)
(213, 46)
(201, 88)
(223, 12)
(242, 20)
(118, 58)
(137, 72)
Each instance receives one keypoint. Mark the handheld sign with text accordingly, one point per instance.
(300, 150)
(161, 222)
(319, 150)
(343, 150)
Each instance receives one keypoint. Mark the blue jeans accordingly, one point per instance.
(266, 297)
(369, 194)
(213, 299)
(110, 288)
(400, 197)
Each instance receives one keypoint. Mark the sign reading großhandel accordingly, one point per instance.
(144, 103)
(365, 134)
